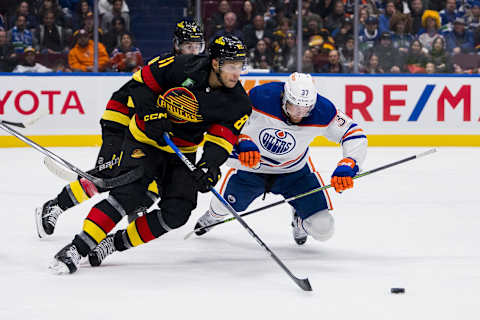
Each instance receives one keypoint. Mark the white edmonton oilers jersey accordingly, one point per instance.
(284, 148)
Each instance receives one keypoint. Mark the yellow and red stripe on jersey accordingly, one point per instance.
(137, 128)
(146, 76)
(117, 112)
(222, 136)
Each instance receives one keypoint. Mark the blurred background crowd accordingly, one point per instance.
(394, 36)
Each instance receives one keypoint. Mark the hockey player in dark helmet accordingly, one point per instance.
(194, 98)
(188, 38)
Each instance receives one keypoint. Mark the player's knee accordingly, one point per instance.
(175, 213)
(132, 198)
(320, 225)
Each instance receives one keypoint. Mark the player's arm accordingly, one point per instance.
(352, 138)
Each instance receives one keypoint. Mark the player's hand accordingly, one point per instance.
(342, 176)
(156, 124)
(248, 152)
(206, 177)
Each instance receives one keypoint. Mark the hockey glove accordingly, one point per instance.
(155, 125)
(248, 152)
(206, 177)
(342, 176)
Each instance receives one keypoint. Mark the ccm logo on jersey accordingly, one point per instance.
(277, 141)
(154, 116)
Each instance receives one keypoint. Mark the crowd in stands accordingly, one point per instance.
(57, 36)
(395, 36)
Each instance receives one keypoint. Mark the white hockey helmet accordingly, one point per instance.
(299, 90)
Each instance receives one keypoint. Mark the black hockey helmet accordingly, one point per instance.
(228, 48)
(188, 31)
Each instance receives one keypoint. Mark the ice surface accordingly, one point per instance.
(414, 226)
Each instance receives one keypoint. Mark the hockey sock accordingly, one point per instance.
(76, 192)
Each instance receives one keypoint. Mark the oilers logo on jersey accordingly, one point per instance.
(277, 141)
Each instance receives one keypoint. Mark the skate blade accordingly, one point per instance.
(38, 223)
(58, 268)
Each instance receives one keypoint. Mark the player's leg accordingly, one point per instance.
(103, 217)
(239, 188)
(311, 213)
(82, 189)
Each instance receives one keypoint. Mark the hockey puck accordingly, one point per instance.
(397, 290)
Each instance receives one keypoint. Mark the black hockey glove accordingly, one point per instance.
(155, 125)
(206, 177)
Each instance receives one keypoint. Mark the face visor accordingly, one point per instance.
(195, 48)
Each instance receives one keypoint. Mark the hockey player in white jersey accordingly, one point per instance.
(272, 155)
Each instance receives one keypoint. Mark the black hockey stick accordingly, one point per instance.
(25, 123)
(302, 283)
(301, 195)
(102, 183)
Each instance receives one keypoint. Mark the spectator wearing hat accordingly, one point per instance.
(80, 58)
(390, 59)
(416, 13)
(88, 25)
(449, 14)
(459, 40)
(472, 19)
(29, 64)
(343, 33)
(369, 36)
(8, 57)
(384, 19)
(346, 56)
(401, 26)
(20, 36)
(430, 30)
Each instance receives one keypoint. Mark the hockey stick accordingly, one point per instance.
(25, 123)
(302, 283)
(102, 183)
(69, 176)
(301, 195)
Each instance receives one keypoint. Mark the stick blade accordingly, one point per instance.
(188, 235)
(304, 284)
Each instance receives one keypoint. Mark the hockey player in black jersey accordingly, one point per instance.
(194, 99)
(187, 39)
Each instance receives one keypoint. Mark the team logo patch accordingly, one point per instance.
(231, 198)
(340, 120)
(181, 105)
(277, 141)
(137, 153)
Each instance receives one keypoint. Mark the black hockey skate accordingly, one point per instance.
(46, 217)
(299, 234)
(105, 248)
(66, 260)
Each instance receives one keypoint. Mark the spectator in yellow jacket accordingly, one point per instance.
(80, 57)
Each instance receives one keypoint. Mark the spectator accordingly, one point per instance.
(216, 21)
(21, 37)
(80, 14)
(401, 25)
(416, 13)
(372, 65)
(307, 64)
(342, 34)
(323, 8)
(369, 36)
(440, 57)
(126, 58)
(472, 19)
(430, 68)
(260, 54)
(346, 56)
(257, 32)
(313, 29)
(116, 11)
(59, 66)
(29, 64)
(431, 25)
(88, 25)
(459, 40)
(290, 54)
(449, 14)
(80, 58)
(307, 15)
(333, 65)
(336, 18)
(113, 36)
(230, 27)
(23, 9)
(51, 38)
(416, 58)
(52, 5)
(3, 25)
(390, 59)
(245, 17)
(8, 57)
(384, 19)
(105, 6)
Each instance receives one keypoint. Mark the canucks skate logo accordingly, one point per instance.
(277, 141)
(181, 105)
